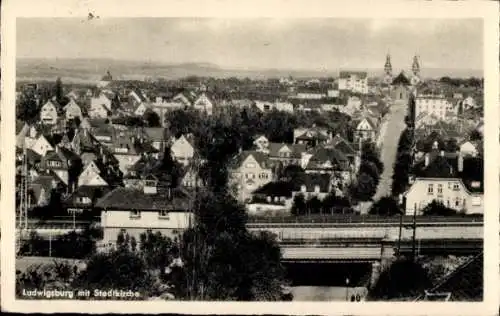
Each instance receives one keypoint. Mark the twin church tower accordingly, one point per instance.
(415, 69)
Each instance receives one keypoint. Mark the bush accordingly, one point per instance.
(387, 205)
(404, 278)
(436, 208)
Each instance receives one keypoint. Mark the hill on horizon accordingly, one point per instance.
(91, 70)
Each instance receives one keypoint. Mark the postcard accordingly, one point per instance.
(278, 157)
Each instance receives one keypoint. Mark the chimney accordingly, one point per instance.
(426, 159)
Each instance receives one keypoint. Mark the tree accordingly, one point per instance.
(61, 99)
(404, 278)
(386, 205)
(115, 102)
(299, 205)
(211, 271)
(401, 174)
(439, 209)
(313, 205)
(293, 173)
(363, 188)
(27, 109)
(369, 153)
(152, 119)
(119, 269)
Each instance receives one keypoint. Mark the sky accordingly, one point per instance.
(315, 44)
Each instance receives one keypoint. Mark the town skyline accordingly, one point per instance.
(254, 44)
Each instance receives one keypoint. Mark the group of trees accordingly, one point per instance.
(459, 82)
(371, 167)
(331, 204)
(403, 163)
(72, 245)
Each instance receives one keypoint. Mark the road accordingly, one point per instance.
(390, 138)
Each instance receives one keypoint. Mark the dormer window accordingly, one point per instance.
(135, 214)
(163, 214)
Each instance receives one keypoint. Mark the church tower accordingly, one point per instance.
(415, 69)
(388, 70)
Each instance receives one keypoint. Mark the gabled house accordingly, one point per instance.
(128, 148)
(272, 198)
(191, 179)
(49, 113)
(314, 185)
(141, 109)
(261, 142)
(59, 161)
(134, 211)
(72, 110)
(84, 198)
(311, 136)
(249, 170)
(456, 182)
(91, 175)
(366, 129)
(329, 160)
(203, 103)
(183, 149)
(40, 189)
(41, 145)
(100, 107)
(183, 98)
(286, 154)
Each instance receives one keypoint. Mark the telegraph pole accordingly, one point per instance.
(414, 226)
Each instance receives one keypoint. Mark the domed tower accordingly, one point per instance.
(415, 69)
(388, 70)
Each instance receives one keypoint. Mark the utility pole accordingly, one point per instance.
(400, 231)
(414, 226)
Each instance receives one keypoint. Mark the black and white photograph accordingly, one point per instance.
(255, 159)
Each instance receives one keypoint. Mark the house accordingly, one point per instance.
(455, 182)
(59, 161)
(134, 211)
(128, 148)
(469, 102)
(91, 175)
(283, 106)
(311, 136)
(157, 136)
(286, 154)
(353, 81)
(265, 106)
(84, 198)
(183, 149)
(315, 185)
(437, 105)
(273, 198)
(249, 170)
(470, 148)
(203, 103)
(48, 113)
(40, 189)
(191, 179)
(183, 98)
(100, 107)
(72, 110)
(330, 160)
(261, 142)
(366, 129)
(141, 109)
(41, 145)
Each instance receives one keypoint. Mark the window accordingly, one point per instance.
(250, 165)
(457, 202)
(135, 214)
(440, 189)
(250, 176)
(163, 214)
(456, 187)
(430, 189)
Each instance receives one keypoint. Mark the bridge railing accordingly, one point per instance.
(356, 218)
